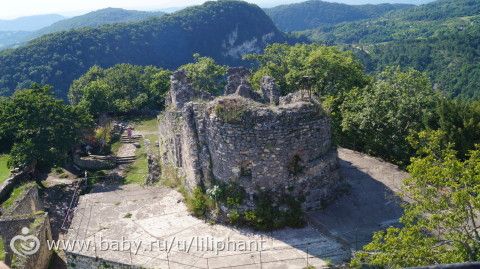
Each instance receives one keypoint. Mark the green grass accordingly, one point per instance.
(16, 194)
(4, 170)
(146, 125)
(2, 250)
(137, 171)
(115, 147)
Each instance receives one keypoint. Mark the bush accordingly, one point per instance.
(233, 216)
(198, 202)
(231, 110)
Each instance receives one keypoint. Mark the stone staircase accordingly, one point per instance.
(125, 160)
(134, 139)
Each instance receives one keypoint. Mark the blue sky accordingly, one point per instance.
(17, 8)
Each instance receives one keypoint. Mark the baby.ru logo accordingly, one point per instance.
(24, 244)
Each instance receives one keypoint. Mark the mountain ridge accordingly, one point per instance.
(315, 13)
(29, 23)
(222, 30)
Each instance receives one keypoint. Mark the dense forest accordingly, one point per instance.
(98, 18)
(440, 38)
(223, 30)
(316, 13)
(52, 24)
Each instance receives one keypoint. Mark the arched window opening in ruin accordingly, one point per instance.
(246, 170)
(295, 166)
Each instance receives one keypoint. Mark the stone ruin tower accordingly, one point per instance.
(259, 140)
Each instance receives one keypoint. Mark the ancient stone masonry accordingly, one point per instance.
(260, 141)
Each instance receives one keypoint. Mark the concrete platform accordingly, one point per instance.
(371, 205)
(143, 216)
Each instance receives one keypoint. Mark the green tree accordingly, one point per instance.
(331, 71)
(378, 119)
(40, 129)
(440, 222)
(121, 89)
(206, 74)
(460, 120)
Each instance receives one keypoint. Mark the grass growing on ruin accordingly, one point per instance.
(146, 125)
(137, 171)
(2, 250)
(4, 170)
(231, 110)
(16, 194)
(115, 147)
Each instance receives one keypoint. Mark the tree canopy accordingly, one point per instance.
(206, 74)
(440, 222)
(121, 89)
(39, 129)
(332, 71)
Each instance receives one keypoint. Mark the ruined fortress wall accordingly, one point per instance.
(283, 149)
(249, 139)
(280, 150)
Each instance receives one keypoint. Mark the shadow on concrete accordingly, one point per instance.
(369, 206)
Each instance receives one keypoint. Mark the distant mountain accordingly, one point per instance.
(376, 2)
(30, 23)
(92, 19)
(224, 30)
(315, 13)
(441, 38)
(98, 18)
(9, 38)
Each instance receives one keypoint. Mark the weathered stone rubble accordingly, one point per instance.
(260, 141)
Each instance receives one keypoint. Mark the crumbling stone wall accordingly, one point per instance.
(38, 225)
(260, 141)
(28, 203)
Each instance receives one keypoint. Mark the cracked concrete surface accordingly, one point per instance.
(156, 214)
(370, 205)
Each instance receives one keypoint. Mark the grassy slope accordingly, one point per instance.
(4, 170)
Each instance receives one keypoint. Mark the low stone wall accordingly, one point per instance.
(92, 163)
(78, 261)
(39, 226)
(27, 203)
(8, 185)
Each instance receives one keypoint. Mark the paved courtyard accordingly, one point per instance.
(156, 215)
(155, 222)
(371, 203)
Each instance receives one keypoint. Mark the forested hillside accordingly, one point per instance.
(315, 13)
(98, 18)
(440, 37)
(92, 19)
(223, 30)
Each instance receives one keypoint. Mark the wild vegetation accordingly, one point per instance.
(38, 129)
(315, 13)
(440, 223)
(120, 90)
(169, 42)
(4, 170)
(439, 38)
